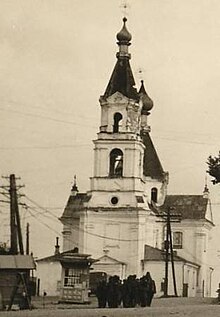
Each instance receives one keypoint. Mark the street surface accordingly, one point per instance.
(177, 307)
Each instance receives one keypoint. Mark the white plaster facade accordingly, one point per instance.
(186, 277)
(49, 274)
(196, 244)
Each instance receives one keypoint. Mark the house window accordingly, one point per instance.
(154, 194)
(177, 240)
(72, 277)
(117, 119)
(116, 163)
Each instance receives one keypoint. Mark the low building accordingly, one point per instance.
(186, 272)
(191, 236)
(65, 275)
(15, 278)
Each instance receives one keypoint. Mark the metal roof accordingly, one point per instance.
(68, 256)
(155, 254)
(75, 203)
(122, 80)
(189, 206)
(17, 262)
(152, 165)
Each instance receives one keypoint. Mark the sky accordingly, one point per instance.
(56, 58)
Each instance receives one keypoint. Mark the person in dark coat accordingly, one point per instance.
(113, 292)
(101, 294)
(133, 291)
(143, 287)
(150, 288)
(125, 293)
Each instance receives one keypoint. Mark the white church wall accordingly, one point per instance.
(71, 234)
(161, 189)
(118, 235)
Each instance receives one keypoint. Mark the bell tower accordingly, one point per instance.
(119, 150)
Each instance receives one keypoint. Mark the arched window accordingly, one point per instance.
(154, 194)
(117, 118)
(116, 163)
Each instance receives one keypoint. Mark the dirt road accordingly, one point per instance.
(177, 307)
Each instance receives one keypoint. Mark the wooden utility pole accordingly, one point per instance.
(10, 191)
(16, 210)
(27, 238)
(171, 253)
(16, 234)
(168, 246)
(13, 226)
(166, 242)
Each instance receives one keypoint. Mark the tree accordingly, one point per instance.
(4, 249)
(214, 168)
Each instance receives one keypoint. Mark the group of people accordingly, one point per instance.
(131, 292)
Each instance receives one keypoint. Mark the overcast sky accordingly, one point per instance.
(56, 58)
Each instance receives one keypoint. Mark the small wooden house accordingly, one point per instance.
(75, 277)
(65, 275)
(15, 278)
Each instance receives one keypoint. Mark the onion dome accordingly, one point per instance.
(146, 100)
(124, 37)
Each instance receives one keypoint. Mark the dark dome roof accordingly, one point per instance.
(146, 100)
(124, 36)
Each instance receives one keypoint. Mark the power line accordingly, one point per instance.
(28, 114)
(75, 228)
(45, 224)
(8, 102)
(92, 126)
(85, 231)
(45, 147)
(91, 117)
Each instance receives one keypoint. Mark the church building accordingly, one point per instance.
(114, 220)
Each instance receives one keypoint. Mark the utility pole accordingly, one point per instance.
(27, 238)
(168, 246)
(166, 242)
(15, 225)
(171, 252)
(15, 215)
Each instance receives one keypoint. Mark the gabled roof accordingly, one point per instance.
(152, 165)
(189, 206)
(70, 255)
(108, 260)
(75, 203)
(122, 80)
(19, 261)
(155, 254)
